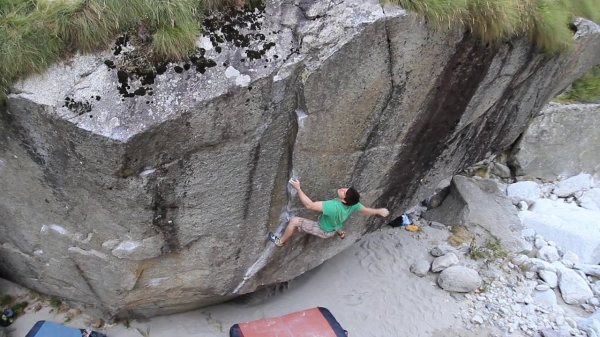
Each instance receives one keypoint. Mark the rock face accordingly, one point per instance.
(131, 205)
(560, 142)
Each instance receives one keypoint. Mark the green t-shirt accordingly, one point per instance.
(334, 214)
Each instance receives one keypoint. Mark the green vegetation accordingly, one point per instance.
(19, 307)
(5, 299)
(458, 236)
(37, 33)
(490, 251)
(55, 303)
(544, 22)
(586, 89)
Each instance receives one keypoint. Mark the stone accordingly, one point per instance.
(548, 253)
(588, 269)
(549, 333)
(549, 277)
(437, 225)
(590, 200)
(570, 256)
(477, 319)
(573, 288)
(520, 259)
(568, 187)
(524, 190)
(459, 279)
(523, 205)
(560, 142)
(443, 249)
(545, 298)
(420, 268)
(500, 170)
(479, 205)
(589, 325)
(443, 262)
(203, 162)
(528, 233)
(571, 227)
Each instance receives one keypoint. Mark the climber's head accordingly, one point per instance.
(348, 196)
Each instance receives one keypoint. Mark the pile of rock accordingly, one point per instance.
(546, 283)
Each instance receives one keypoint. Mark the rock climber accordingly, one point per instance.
(333, 213)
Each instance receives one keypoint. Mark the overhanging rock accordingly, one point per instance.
(134, 204)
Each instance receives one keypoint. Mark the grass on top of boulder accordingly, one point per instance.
(38, 33)
(543, 22)
(584, 90)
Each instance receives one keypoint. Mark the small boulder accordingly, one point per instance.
(588, 269)
(459, 279)
(546, 298)
(420, 268)
(437, 225)
(549, 277)
(443, 262)
(574, 288)
(524, 190)
(441, 250)
(548, 253)
(591, 200)
(574, 184)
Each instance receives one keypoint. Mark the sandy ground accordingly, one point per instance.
(368, 288)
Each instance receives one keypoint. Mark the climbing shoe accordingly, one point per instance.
(275, 239)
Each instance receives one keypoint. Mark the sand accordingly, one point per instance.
(368, 287)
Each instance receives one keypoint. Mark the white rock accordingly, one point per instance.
(588, 269)
(571, 185)
(459, 279)
(548, 253)
(573, 288)
(549, 277)
(524, 190)
(528, 233)
(477, 319)
(443, 262)
(420, 268)
(520, 259)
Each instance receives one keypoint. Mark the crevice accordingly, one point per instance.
(80, 271)
(285, 214)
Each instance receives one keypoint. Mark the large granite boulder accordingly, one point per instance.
(561, 142)
(130, 192)
(479, 205)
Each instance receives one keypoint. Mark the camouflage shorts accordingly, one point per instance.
(312, 227)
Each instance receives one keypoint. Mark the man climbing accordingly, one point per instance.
(333, 213)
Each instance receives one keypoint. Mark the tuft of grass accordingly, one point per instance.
(37, 33)
(19, 308)
(586, 89)
(490, 251)
(5, 299)
(55, 303)
(458, 236)
(544, 22)
(174, 42)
